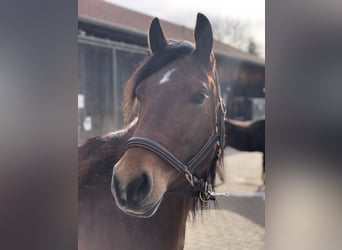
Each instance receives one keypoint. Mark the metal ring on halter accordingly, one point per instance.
(223, 107)
(204, 199)
(189, 178)
(204, 195)
(219, 150)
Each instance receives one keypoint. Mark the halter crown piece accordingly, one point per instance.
(202, 189)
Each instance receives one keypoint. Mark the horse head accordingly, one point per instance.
(178, 105)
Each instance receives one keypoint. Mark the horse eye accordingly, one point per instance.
(198, 98)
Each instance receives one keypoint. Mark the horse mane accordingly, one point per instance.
(154, 62)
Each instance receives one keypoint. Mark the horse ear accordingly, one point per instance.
(156, 38)
(203, 38)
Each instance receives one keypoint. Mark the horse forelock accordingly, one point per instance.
(149, 66)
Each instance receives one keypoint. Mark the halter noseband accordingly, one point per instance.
(202, 188)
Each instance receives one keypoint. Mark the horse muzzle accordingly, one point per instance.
(134, 195)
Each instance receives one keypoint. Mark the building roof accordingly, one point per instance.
(126, 19)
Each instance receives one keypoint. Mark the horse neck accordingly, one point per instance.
(99, 217)
(170, 220)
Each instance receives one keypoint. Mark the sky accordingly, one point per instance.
(183, 12)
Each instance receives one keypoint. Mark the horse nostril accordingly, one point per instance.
(138, 189)
(120, 194)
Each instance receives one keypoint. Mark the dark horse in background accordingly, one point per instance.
(130, 195)
(246, 136)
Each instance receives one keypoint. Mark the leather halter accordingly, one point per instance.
(202, 188)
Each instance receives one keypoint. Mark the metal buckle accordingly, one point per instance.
(189, 178)
(219, 153)
(223, 107)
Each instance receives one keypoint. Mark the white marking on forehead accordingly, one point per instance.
(166, 77)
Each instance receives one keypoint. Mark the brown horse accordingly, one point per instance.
(137, 186)
(246, 136)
